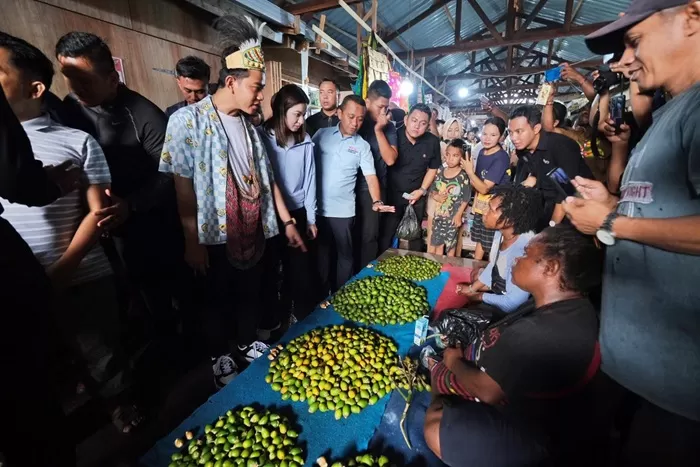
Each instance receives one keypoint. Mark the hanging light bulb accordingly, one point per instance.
(463, 92)
(406, 88)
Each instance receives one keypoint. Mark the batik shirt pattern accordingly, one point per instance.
(196, 147)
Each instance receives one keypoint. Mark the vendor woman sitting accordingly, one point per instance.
(516, 396)
(513, 212)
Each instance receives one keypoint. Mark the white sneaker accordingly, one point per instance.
(253, 351)
(225, 370)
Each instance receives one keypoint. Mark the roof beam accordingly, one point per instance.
(314, 6)
(412, 22)
(520, 72)
(539, 34)
(568, 14)
(487, 22)
(533, 14)
(458, 22)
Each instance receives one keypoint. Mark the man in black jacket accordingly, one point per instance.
(131, 131)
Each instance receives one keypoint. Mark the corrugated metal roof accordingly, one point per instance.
(436, 30)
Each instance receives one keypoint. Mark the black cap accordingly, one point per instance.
(609, 39)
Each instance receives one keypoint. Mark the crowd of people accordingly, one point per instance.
(210, 217)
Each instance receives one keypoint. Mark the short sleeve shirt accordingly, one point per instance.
(196, 147)
(48, 230)
(493, 168)
(367, 133)
(338, 159)
(320, 120)
(406, 175)
(457, 190)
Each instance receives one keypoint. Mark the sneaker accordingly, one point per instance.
(265, 334)
(225, 370)
(293, 319)
(253, 351)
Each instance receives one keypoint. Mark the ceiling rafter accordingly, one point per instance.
(314, 6)
(485, 19)
(414, 21)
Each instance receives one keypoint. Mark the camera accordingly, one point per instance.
(606, 79)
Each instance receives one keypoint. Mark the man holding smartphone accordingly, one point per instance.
(539, 152)
(380, 132)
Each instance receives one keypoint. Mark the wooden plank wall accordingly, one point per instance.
(149, 35)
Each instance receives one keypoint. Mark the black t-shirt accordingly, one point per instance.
(320, 120)
(553, 150)
(414, 160)
(131, 131)
(367, 133)
(544, 360)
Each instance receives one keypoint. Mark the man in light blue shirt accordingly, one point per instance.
(340, 152)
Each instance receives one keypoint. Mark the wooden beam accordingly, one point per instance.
(539, 34)
(458, 22)
(533, 14)
(314, 6)
(358, 34)
(550, 51)
(543, 21)
(448, 13)
(375, 4)
(510, 22)
(413, 21)
(568, 12)
(494, 60)
(487, 22)
(505, 74)
(321, 26)
(528, 51)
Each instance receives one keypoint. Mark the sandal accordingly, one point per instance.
(126, 418)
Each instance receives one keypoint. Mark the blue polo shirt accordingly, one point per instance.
(337, 159)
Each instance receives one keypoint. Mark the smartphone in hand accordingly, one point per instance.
(617, 109)
(562, 183)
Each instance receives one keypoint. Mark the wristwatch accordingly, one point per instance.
(423, 190)
(605, 233)
(291, 221)
(379, 202)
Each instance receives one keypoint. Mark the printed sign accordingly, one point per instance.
(119, 66)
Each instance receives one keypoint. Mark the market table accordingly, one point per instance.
(320, 433)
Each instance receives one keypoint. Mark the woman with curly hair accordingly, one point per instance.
(512, 213)
(523, 393)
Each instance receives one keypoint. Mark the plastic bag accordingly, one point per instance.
(462, 326)
(409, 228)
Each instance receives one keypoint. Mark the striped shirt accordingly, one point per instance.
(49, 229)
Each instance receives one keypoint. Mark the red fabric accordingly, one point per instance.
(243, 222)
(449, 298)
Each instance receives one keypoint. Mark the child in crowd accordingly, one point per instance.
(451, 194)
(490, 170)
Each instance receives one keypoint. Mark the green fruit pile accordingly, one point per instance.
(381, 300)
(414, 268)
(244, 437)
(362, 460)
(338, 369)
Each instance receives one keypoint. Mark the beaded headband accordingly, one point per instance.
(250, 55)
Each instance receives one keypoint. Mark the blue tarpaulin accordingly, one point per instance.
(320, 433)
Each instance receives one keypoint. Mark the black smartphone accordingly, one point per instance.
(617, 109)
(562, 182)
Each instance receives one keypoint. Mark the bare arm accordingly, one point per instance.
(642, 104)
(428, 179)
(290, 231)
(677, 234)
(558, 214)
(187, 207)
(482, 186)
(497, 112)
(373, 185)
(548, 117)
(476, 382)
(83, 240)
(618, 162)
(389, 153)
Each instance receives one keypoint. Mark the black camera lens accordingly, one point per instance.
(606, 79)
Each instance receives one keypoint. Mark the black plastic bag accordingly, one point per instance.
(462, 326)
(409, 228)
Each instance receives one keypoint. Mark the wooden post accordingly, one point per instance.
(322, 27)
(360, 11)
(375, 4)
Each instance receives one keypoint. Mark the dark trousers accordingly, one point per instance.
(334, 247)
(152, 248)
(653, 436)
(299, 281)
(229, 300)
(391, 221)
(366, 235)
(26, 392)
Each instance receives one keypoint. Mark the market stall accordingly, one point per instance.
(330, 432)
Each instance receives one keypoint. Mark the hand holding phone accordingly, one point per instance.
(562, 183)
(617, 110)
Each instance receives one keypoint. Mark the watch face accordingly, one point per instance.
(605, 237)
